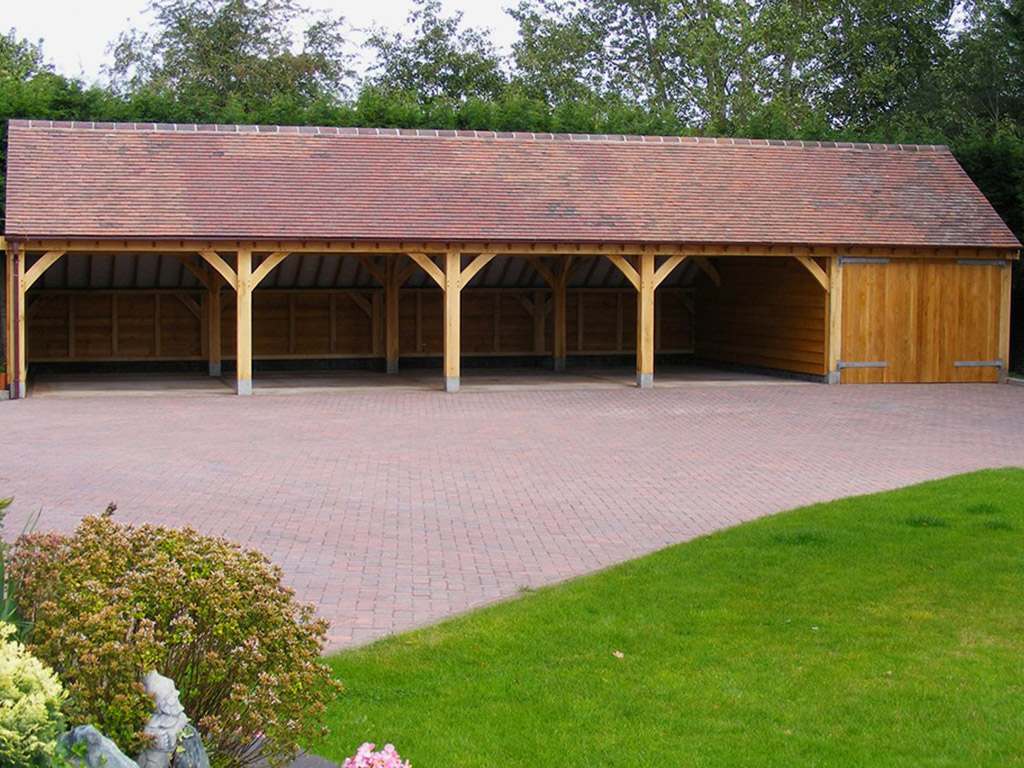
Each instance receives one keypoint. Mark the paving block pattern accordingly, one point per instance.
(393, 509)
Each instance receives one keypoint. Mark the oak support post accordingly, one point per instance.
(9, 315)
(645, 322)
(452, 320)
(392, 287)
(243, 303)
(1005, 294)
(213, 325)
(835, 320)
(17, 368)
(559, 314)
(539, 311)
(20, 278)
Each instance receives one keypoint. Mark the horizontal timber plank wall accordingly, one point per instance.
(139, 325)
(920, 317)
(114, 325)
(768, 312)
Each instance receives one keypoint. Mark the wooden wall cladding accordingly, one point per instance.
(768, 312)
(170, 325)
(920, 317)
(114, 325)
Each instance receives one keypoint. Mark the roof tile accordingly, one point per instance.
(210, 182)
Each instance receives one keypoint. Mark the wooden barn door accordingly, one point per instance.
(921, 320)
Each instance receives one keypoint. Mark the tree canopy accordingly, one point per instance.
(934, 71)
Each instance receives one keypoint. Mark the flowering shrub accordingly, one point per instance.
(112, 602)
(30, 705)
(365, 757)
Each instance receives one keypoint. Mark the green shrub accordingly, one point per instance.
(111, 602)
(31, 697)
(10, 613)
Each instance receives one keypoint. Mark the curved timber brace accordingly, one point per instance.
(832, 283)
(644, 275)
(392, 279)
(244, 279)
(452, 279)
(20, 277)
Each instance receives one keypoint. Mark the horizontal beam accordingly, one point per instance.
(266, 245)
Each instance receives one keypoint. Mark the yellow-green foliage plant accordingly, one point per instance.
(111, 602)
(31, 698)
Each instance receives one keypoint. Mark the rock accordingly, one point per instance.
(100, 752)
(190, 752)
(166, 725)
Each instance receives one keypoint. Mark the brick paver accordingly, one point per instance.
(391, 509)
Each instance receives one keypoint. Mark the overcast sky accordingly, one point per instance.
(76, 33)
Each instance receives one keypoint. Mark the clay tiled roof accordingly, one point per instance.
(115, 180)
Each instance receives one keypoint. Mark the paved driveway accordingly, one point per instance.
(391, 509)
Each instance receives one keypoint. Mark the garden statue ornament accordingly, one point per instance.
(166, 724)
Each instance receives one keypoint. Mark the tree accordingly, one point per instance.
(21, 59)
(439, 60)
(727, 65)
(695, 58)
(233, 56)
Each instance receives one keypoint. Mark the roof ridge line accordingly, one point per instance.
(442, 133)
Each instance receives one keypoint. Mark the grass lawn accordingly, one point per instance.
(881, 630)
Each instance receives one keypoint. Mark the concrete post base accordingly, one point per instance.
(244, 387)
(16, 389)
(645, 380)
(451, 384)
(215, 369)
(559, 363)
(392, 366)
(832, 378)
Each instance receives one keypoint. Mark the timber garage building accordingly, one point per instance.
(140, 245)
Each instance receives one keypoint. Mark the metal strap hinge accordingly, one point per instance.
(878, 364)
(978, 364)
(858, 260)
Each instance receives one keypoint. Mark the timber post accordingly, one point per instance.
(557, 279)
(243, 329)
(645, 322)
(392, 286)
(452, 279)
(643, 276)
(452, 320)
(1005, 298)
(20, 278)
(559, 314)
(835, 320)
(15, 323)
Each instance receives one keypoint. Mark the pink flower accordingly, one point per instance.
(365, 757)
